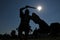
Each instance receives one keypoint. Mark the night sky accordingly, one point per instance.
(9, 13)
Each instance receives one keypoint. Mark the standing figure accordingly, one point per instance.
(25, 19)
(43, 26)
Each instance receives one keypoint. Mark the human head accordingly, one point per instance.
(27, 11)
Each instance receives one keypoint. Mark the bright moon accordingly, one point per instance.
(39, 8)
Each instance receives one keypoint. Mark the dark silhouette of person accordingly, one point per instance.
(25, 19)
(54, 29)
(43, 26)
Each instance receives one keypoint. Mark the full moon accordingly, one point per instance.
(39, 8)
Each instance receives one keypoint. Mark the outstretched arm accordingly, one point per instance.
(30, 7)
(21, 11)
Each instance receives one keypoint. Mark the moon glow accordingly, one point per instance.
(39, 8)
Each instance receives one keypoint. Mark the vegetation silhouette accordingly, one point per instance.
(6, 36)
(13, 34)
(55, 29)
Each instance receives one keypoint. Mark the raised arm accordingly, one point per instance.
(30, 7)
(21, 11)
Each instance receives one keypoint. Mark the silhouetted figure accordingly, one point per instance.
(43, 26)
(55, 29)
(25, 19)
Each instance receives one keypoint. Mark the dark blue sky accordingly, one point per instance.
(9, 12)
